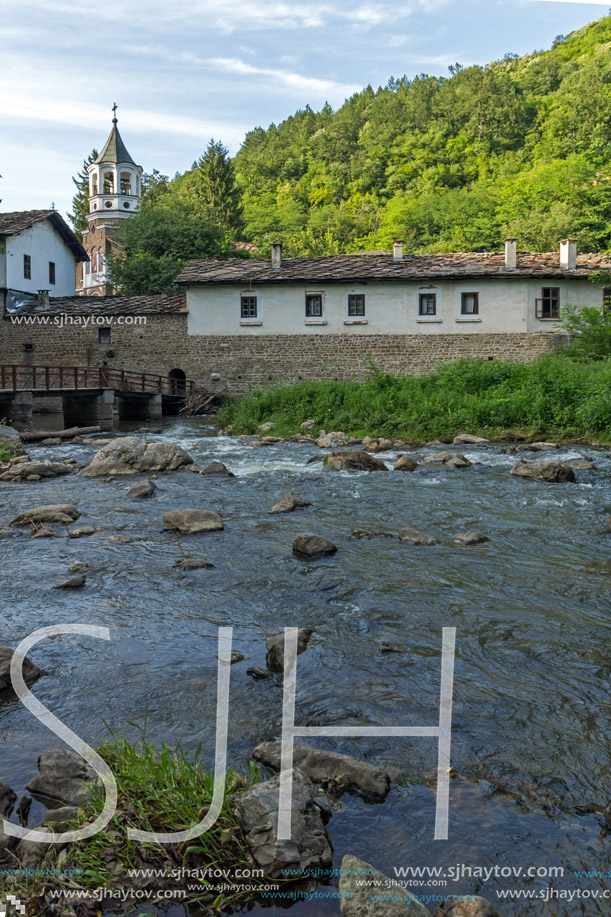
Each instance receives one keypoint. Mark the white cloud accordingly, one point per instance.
(293, 81)
(232, 15)
(588, 2)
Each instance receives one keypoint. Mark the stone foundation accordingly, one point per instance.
(246, 361)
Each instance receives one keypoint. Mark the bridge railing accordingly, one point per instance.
(16, 378)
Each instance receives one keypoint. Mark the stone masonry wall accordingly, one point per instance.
(244, 362)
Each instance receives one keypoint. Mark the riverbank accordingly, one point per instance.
(553, 397)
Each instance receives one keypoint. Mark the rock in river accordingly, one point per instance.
(75, 582)
(321, 766)
(308, 545)
(192, 521)
(469, 538)
(193, 563)
(354, 461)
(360, 886)
(64, 776)
(551, 472)
(34, 471)
(82, 532)
(218, 468)
(308, 847)
(9, 434)
(130, 454)
(467, 439)
(52, 512)
(142, 490)
(288, 503)
(406, 463)
(275, 647)
(413, 536)
(31, 672)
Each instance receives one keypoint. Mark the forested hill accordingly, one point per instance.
(520, 147)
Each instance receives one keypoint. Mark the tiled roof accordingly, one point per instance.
(105, 305)
(380, 266)
(13, 223)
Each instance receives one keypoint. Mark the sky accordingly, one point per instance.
(183, 71)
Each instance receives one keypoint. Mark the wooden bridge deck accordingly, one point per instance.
(65, 379)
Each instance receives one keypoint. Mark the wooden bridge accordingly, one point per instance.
(88, 394)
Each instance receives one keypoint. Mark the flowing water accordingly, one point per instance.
(531, 608)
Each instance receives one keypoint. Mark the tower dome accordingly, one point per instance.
(114, 179)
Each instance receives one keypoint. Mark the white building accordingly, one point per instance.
(380, 293)
(38, 251)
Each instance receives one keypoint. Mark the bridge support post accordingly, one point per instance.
(139, 406)
(155, 407)
(17, 410)
(89, 408)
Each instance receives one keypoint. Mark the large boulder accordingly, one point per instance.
(274, 643)
(309, 846)
(361, 887)
(354, 461)
(34, 471)
(289, 502)
(550, 472)
(63, 776)
(130, 454)
(50, 512)
(475, 907)
(192, 521)
(322, 766)
(31, 672)
(312, 546)
(9, 434)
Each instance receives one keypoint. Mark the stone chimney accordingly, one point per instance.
(397, 251)
(568, 254)
(43, 297)
(511, 254)
(277, 254)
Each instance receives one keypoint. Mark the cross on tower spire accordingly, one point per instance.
(114, 111)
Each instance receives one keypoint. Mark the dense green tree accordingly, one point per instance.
(80, 201)
(157, 242)
(215, 186)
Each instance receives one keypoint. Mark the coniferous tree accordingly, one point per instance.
(80, 201)
(216, 187)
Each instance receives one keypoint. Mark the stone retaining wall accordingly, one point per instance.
(242, 362)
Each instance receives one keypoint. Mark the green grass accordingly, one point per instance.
(163, 791)
(551, 396)
(7, 449)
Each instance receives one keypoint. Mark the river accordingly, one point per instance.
(533, 659)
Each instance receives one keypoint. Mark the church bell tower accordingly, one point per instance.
(114, 195)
